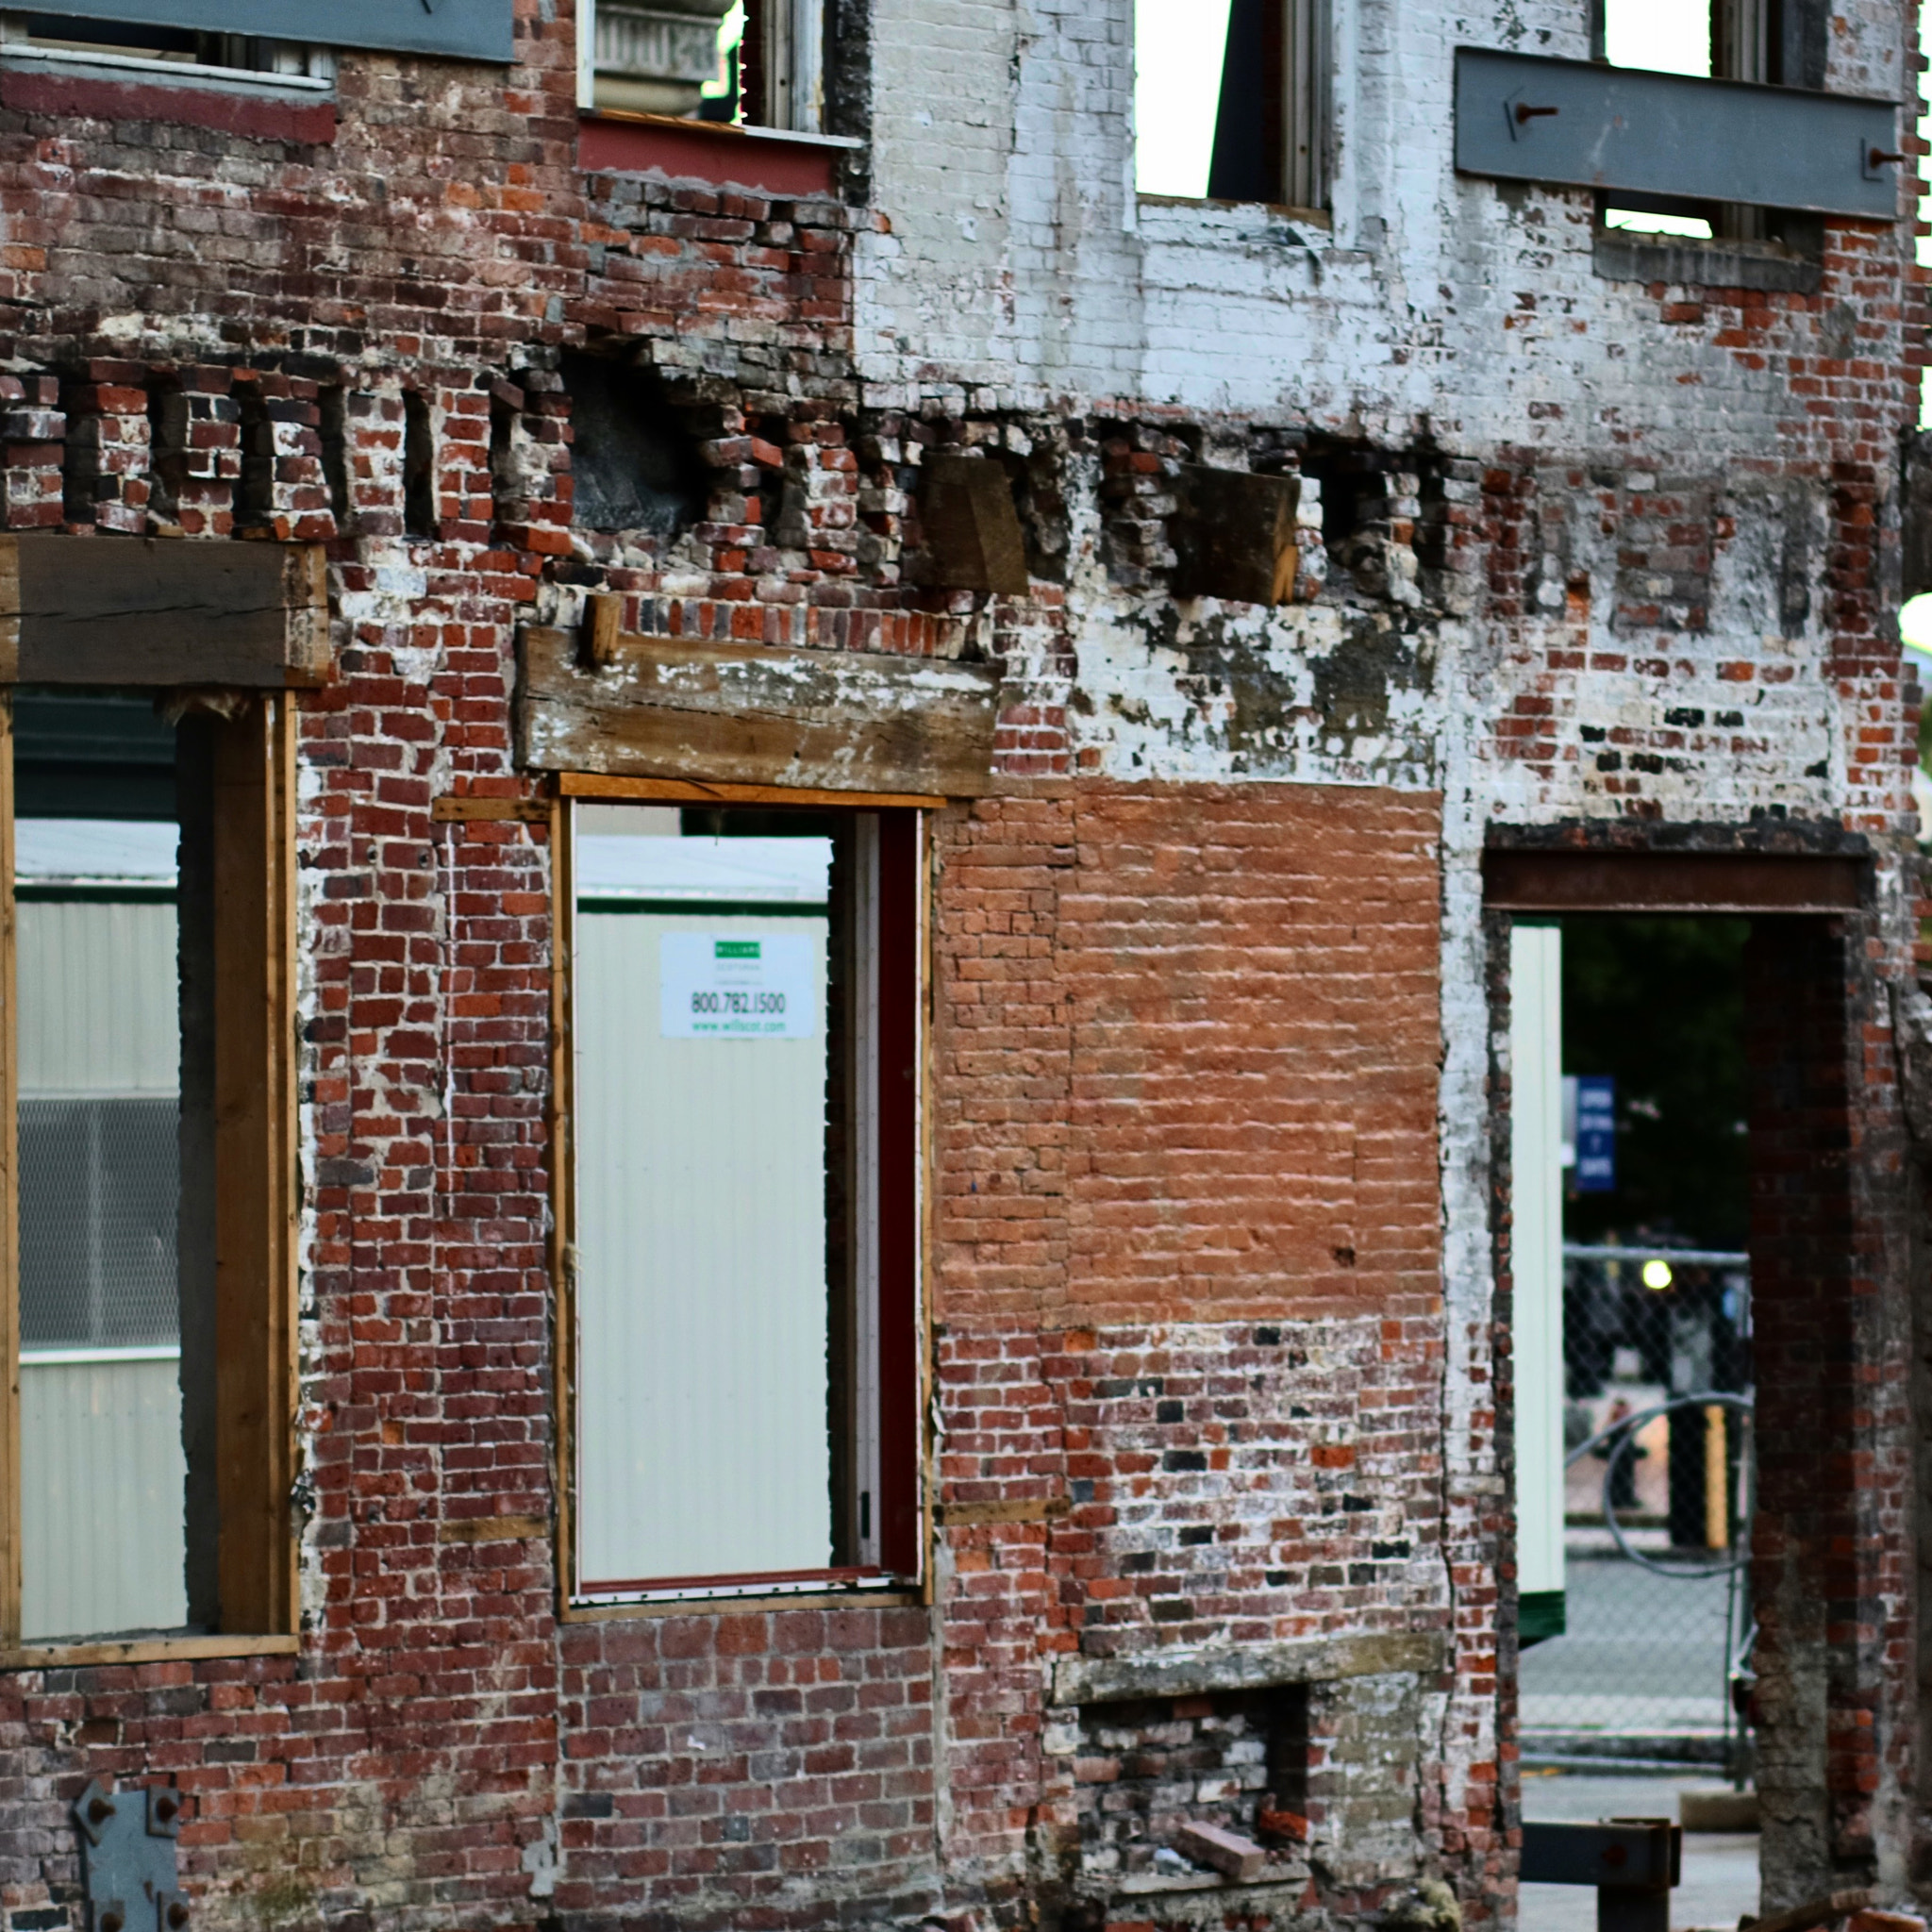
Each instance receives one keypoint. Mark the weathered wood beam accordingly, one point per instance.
(161, 611)
(748, 714)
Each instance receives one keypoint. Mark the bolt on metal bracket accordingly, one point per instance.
(130, 1865)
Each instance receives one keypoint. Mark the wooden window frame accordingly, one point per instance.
(901, 1115)
(256, 1196)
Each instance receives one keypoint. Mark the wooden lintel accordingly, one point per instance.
(472, 811)
(593, 785)
(797, 721)
(106, 610)
(1732, 882)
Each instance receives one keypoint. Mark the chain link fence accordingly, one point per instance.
(1656, 1508)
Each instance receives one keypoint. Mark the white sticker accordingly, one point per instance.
(717, 986)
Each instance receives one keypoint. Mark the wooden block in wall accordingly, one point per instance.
(1234, 535)
(972, 540)
(161, 611)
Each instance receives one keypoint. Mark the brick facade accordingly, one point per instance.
(1218, 1273)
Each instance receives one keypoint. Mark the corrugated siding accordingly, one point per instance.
(702, 1436)
(101, 1498)
(99, 1000)
(101, 1470)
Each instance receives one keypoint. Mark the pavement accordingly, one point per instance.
(1719, 1883)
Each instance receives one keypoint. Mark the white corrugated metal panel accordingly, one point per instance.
(1536, 1248)
(99, 1001)
(102, 1474)
(96, 849)
(703, 1445)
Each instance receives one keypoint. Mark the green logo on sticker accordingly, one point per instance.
(735, 949)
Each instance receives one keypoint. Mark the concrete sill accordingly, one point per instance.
(143, 1650)
(1279, 210)
(1635, 255)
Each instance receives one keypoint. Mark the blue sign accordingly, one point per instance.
(1596, 1134)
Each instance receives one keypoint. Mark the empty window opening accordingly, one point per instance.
(124, 45)
(167, 438)
(255, 491)
(635, 467)
(1779, 43)
(419, 466)
(761, 62)
(745, 1023)
(1233, 104)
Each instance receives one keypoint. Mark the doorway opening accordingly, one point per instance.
(1631, 1147)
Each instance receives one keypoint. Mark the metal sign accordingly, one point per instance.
(1583, 123)
(461, 29)
(737, 986)
(1596, 1172)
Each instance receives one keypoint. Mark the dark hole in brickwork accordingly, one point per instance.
(167, 426)
(254, 494)
(1147, 1767)
(419, 467)
(635, 464)
(335, 451)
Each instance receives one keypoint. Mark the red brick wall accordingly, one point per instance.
(1189, 1239)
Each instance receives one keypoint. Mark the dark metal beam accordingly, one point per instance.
(1581, 124)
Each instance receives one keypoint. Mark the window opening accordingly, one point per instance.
(139, 45)
(755, 62)
(419, 466)
(1776, 42)
(1233, 104)
(746, 1178)
(254, 490)
(335, 451)
(99, 1042)
(148, 1420)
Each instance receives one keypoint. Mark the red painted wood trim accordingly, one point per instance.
(703, 152)
(260, 117)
